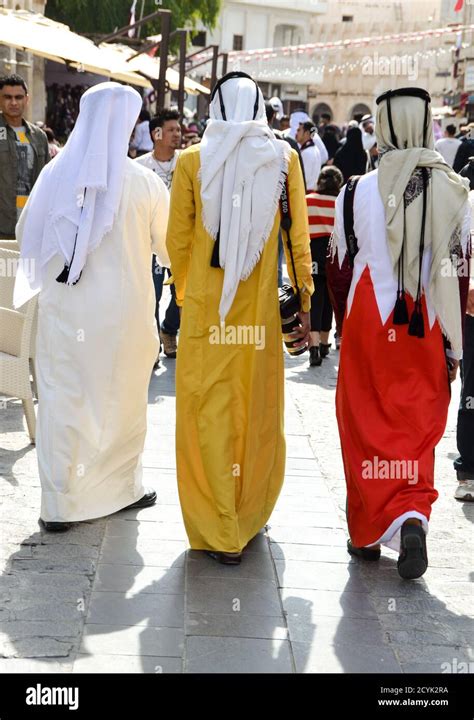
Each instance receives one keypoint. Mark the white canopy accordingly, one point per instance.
(49, 39)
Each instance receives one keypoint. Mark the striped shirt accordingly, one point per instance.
(321, 211)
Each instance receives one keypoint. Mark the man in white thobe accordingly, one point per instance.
(90, 227)
(310, 154)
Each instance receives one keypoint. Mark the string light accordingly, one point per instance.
(270, 62)
(266, 68)
(236, 56)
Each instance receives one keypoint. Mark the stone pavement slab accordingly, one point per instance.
(125, 594)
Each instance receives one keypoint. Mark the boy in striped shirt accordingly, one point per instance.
(321, 210)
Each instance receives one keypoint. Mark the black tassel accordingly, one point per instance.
(215, 252)
(400, 313)
(417, 323)
(63, 275)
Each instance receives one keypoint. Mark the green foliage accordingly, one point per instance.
(105, 16)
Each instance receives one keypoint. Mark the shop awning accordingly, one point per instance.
(150, 66)
(42, 36)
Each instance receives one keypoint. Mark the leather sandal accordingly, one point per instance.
(55, 526)
(225, 558)
(148, 499)
(364, 553)
(413, 559)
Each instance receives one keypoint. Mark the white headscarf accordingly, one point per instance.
(368, 140)
(79, 191)
(242, 176)
(296, 119)
(447, 197)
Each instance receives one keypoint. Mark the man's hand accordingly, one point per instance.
(301, 334)
(452, 369)
(470, 299)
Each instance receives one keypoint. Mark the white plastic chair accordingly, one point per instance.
(16, 328)
(9, 244)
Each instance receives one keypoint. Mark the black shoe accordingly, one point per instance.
(147, 500)
(364, 553)
(324, 349)
(225, 558)
(55, 526)
(413, 560)
(314, 358)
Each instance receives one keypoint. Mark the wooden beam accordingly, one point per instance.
(182, 69)
(215, 55)
(123, 30)
(164, 46)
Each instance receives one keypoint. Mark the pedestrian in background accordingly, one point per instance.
(464, 464)
(165, 133)
(351, 158)
(141, 140)
(449, 144)
(321, 209)
(310, 154)
(23, 152)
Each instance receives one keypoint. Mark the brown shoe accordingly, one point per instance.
(170, 346)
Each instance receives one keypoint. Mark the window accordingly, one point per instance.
(287, 35)
(199, 40)
(348, 18)
(238, 42)
(294, 105)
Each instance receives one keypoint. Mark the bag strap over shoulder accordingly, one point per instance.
(351, 240)
(285, 224)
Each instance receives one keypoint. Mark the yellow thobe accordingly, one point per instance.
(230, 444)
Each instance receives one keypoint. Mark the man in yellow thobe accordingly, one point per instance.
(223, 245)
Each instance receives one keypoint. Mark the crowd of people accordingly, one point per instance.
(62, 108)
(374, 223)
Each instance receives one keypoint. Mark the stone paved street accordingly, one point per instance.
(124, 594)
